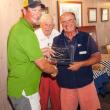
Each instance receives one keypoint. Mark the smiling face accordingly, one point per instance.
(68, 22)
(32, 15)
(47, 24)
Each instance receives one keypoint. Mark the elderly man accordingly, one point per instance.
(25, 60)
(76, 78)
(48, 85)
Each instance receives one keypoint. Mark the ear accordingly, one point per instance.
(24, 11)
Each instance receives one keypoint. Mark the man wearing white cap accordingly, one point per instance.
(25, 60)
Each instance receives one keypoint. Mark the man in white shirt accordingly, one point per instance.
(48, 85)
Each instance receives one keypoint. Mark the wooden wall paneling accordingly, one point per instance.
(4, 104)
(3, 76)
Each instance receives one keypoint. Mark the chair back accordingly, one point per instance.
(91, 30)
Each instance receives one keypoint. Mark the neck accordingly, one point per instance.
(70, 35)
(46, 34)
(28, 20)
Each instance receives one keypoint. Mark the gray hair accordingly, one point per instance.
(46, 18)
(68, 13)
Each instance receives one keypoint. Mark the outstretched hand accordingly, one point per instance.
(48, 52)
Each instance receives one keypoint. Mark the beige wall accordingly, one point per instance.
(102, 27)
(9, 14)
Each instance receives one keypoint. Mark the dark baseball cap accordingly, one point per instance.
(32, 3)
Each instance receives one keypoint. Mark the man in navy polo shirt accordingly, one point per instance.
(76, 78)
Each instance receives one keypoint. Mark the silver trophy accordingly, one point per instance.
(63, 55)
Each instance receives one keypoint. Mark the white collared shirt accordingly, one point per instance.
(45, 41)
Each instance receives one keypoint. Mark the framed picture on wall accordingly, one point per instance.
(70, 6)
(104, 14)
(92, 15)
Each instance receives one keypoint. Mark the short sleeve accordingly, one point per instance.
(92, 45)
(30, 46)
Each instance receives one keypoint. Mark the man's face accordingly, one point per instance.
(68, 23)
(34, 14)
(47, 27)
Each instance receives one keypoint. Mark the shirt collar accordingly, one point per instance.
(26, 23)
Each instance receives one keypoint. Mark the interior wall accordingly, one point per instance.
(9, 13)
(102, 27)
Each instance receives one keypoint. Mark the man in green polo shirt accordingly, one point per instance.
(25, 60)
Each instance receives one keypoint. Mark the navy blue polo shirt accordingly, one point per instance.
(84, 47)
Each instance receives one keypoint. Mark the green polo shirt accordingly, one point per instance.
(23, 50)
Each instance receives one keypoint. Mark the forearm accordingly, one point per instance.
(95, 58)
(49, 68)
(45, 66)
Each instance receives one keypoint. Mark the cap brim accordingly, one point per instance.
(36, 3)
